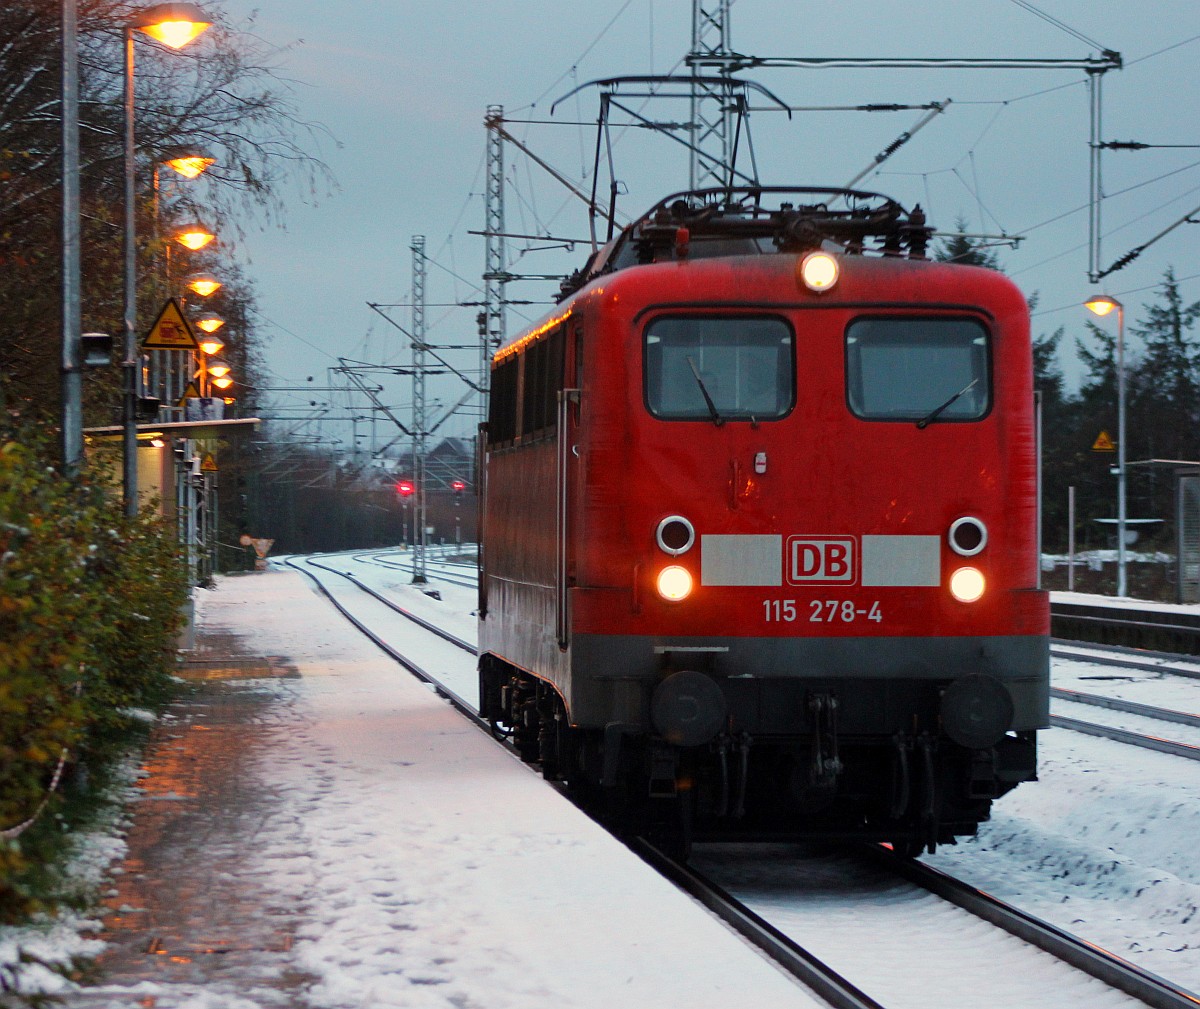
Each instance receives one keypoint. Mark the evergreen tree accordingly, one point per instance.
(1166, 387)
(1058, 422)
(959, 249)
(1163, 399)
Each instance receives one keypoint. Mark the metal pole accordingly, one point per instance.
(495, 268)
(72, 316)
(1071, 539)
(1121, 580)
(129, 362)
(420, 421)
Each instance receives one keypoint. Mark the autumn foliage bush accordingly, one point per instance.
(90, 603)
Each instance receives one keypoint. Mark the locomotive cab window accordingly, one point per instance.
(719, 368)
(924, 370)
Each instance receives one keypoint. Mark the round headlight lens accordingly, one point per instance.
(967, 585)
(674, 583)
(968, 536)
(819, 271)
(675, 535)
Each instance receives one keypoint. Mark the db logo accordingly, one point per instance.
(821, 560)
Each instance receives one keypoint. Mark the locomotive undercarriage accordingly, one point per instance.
(913, 787)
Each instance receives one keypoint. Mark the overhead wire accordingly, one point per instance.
(1120, 294)
(578, 59)
(1050, 19)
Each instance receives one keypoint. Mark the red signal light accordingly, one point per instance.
(458, 486)
(405, 488)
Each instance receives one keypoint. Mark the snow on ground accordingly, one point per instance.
(1102, 846)
(1123, 602)
(435, 870)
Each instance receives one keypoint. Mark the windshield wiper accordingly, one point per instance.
(712, 407)
(924, 422)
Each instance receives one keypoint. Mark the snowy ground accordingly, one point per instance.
(430, 867)
(435, 870)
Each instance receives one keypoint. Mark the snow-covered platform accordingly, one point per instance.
(383, 851)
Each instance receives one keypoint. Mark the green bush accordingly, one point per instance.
(90, 603)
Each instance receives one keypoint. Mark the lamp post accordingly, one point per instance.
(72, 325)
(209, 346)
(1102, 305)
(174, 25)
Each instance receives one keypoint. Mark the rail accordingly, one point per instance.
(788, 953)
(1099, 963)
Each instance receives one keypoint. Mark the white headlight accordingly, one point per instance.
(674, 583)
(819, 271)
(967, 585)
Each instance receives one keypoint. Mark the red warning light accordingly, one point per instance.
(458, 486)
(405, 488)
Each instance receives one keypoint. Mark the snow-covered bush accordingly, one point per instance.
(89, 608)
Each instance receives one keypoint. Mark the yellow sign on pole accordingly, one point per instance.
(191, 392)
(209, 464)
(1103, 443)
(171, 331)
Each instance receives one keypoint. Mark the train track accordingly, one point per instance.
(438, 573)
(1123, 657)
(404, 659)
(790, 954)
(871, 869)
(1133, 660)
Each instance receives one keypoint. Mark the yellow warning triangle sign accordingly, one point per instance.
(209, 465)
(171, 330)
(1103, 443)
(191, 392)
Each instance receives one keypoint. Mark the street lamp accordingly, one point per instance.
(209, 346)
(210, 322)
(174, 25)
(190, 162)
(1102, 305)
(193, 236)
(203, 284)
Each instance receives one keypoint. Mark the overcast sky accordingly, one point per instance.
(403, 88)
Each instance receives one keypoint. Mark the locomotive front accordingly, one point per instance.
(795, 570)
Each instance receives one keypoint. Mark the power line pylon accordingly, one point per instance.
(713, 104)
(419, 421)
(495, 275)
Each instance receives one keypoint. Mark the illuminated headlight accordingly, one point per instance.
(967, 585)
(819, 271)
(674, 583)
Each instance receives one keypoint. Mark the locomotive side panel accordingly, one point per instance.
(519, 571)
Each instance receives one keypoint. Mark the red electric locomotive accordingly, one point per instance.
(759, 526)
